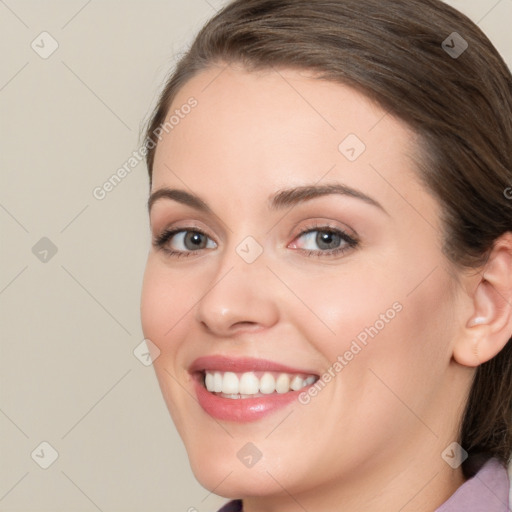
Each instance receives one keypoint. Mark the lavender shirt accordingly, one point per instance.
(487, 491)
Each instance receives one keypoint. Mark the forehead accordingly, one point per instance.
(270, 129)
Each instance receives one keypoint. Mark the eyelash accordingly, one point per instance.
(350, 241)
(161, 240)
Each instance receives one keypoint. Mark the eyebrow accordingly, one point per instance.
(280, 200)
(293, 196)
(180, 196)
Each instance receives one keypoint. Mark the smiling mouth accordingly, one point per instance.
(254, 384)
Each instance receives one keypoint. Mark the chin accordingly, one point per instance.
(223, 478)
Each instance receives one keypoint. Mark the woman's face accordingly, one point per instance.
(266, 284)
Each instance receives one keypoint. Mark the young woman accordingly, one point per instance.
(330, 280)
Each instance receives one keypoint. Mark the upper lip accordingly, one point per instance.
(241, 365)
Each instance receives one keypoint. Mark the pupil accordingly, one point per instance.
(326, 239)
(194, 238)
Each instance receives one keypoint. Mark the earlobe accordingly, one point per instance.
(471, 349)
(489, 328)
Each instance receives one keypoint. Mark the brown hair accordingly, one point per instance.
(459, 104)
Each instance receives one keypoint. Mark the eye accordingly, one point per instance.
(329, 241)
(182, 242)
(324, 241)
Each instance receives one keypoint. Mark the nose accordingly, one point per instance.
(241, 297)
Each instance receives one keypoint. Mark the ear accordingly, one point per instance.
(489, 327)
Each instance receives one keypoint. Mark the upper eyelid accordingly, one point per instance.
(173, 231)
(317, 226)
(189, 226)
(327, 225)
(204, 217)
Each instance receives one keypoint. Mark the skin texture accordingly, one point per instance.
(372, 438)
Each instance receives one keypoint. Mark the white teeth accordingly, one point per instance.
(217, 382)
(310, 380)
(208, 381)
(267, 384)
(247, 384)
(230, 383)
(283, 383)
(297, 383)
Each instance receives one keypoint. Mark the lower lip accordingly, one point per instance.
(242, 410)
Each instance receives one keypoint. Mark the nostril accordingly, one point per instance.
(245, 324)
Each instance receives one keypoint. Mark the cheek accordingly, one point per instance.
(152, 303)
(373, 320)
(336, 308)
(164, 304)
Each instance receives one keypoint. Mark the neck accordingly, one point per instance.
(420, 485)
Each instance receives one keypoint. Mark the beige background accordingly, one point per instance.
(70, 324)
